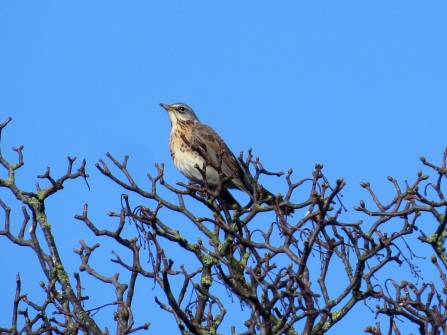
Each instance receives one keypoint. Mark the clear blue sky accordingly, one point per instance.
(358, 86)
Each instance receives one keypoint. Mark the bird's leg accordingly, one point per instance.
(219, 192)
(206, 188)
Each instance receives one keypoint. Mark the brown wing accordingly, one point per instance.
(208, 139)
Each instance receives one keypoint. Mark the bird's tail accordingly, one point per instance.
(265, 195)
(228, 198)
(272, 200)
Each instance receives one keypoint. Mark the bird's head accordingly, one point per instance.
(180, 112)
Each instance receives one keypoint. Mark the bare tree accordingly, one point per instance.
(276, 268)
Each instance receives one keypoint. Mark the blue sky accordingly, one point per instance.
(358, 86)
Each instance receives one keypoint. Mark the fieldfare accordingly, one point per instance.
(188, 134)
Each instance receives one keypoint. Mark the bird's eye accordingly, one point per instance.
(181, 109)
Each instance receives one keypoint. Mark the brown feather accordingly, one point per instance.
(213, 144)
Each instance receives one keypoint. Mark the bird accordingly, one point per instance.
(190, 139)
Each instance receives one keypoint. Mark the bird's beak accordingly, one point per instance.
(166, 106)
